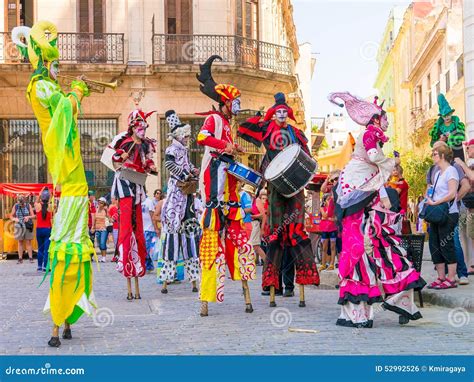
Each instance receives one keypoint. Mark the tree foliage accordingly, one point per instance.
(415, 168)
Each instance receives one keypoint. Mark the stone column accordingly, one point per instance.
(468, 30)
(135, 35)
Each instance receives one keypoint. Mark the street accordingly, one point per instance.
(170, 324)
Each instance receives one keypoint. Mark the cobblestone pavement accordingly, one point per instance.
(170, 324)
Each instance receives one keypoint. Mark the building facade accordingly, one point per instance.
(468, 25)
(339, 134)
(425, 59)
(153, 49)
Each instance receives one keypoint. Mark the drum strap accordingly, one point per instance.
(292, 134)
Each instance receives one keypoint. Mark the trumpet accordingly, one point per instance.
(93, 85)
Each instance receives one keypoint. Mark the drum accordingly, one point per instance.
(245, 174)
(132, 176)
(291, 170)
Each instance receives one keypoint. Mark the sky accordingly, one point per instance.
(345, 35)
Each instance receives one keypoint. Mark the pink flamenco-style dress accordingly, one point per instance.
(371, 252)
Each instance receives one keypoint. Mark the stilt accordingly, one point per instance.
(67, 334)
(204, 309)
(248, 302)
(195, 289)
(272, 297)
(137, 289)
(54, 341)
(302, 302)
(164, 289)
(129, 289)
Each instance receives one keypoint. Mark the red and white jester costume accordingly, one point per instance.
(133, 151)
(224, 241)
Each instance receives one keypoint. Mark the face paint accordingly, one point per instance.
(384, 122)
(281, 115)
(184, 140)
(235, 109)
(53, 68)
(140, 129)
(447, 119)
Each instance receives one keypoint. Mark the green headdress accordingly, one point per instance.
(444, 108)
(38, 43)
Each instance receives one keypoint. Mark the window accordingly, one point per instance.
(18, 12)
(24, 160)
(246, 18)
(447, 81)
(91, 16)
(340, 143)
(179, 30)
(438, 89)
(460, 66)
(440, 69)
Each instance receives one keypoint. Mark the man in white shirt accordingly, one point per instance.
(148, 208)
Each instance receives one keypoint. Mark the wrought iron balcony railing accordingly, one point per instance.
(93, 48)
(234, 50)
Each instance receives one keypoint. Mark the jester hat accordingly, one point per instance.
(443, 105)
(178, 129)
(218, 92)
(280, 103)
(360, 111)
(136, 117)
(39, 47)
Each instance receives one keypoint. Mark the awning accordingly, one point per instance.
(14, 189)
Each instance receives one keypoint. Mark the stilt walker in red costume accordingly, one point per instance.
(133, 157)
(224, 241)
(286, 215)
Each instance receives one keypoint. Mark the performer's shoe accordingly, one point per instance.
(330, 268)
(129, 297)
(138, 297)
(288, 293)
(322, 267)
(204, 310)
(279, 292)
(403, 320)
(164, 291)
(67, 335)
(272, 304)
(248, 308)
(195, 290)
(54, 342)
(302, 304)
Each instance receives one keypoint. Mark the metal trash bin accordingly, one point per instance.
(414, 245)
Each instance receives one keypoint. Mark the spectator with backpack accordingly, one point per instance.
(462, 189)
(466, 217)
(22, 215)
(44, 221)
(442, 212)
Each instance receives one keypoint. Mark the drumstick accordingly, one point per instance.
(128, 152)
(296, 330)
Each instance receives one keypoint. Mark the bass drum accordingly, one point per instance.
(291, 170)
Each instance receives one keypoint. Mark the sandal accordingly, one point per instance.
(32, 261)
(447, 284)
(330, 268)
(20, 261)
(435, 283)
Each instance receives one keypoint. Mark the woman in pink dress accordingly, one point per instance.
(371, 252)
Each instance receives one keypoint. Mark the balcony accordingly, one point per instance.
(92, 48)
(234, 50)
